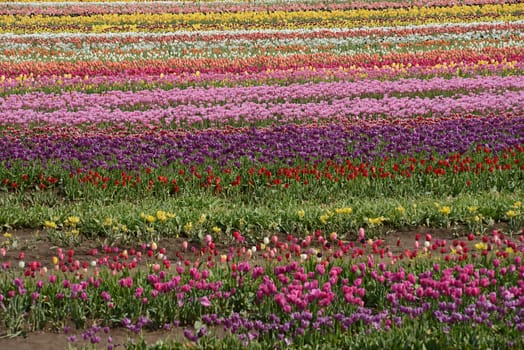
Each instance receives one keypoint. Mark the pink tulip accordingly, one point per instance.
(204, 301)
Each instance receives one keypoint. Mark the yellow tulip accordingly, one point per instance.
(445, 210)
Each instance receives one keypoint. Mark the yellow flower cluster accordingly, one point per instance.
(72, 221)
(161, 216)
(65, 232)
(515, 210)
(199, 225)
(445, 210)
(346, 210)
(115, 225)
(188, 226)
(9, 240)
(481, 246)
(292, 19)
(325, 217)
(376, 221)
(50, 224)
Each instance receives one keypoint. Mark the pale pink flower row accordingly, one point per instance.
(387, 107)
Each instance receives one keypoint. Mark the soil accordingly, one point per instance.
(37, 247)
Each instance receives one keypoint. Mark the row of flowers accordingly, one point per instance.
(285, 290)
(479, 162)
(195, 225)
(211, 36)
(258, 64)
(161, 47)
(284, 112)
(259, 19)
(26, 83)
(281, 144)
(260, 94)
(132, 7)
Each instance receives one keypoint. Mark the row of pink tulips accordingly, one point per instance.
(392, 107)
(200, 96)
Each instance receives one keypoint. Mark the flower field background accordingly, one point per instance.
(262, 174)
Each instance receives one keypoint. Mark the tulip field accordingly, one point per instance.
(262, 174)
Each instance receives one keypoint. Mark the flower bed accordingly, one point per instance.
(324, 175)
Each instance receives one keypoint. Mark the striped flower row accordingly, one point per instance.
(251, 112)
(294, 93)
(269, 43)
(57, 84)
(65, 8)
(150, 108)
(281, 144)
(300, 102)
(261, 63)
(260, 20)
